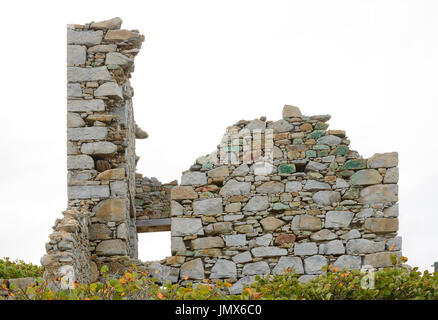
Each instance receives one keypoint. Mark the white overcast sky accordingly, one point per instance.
(204, 65)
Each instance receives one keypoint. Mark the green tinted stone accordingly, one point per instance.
(113, 66)
(310, 154)
(352, 193)
(207, 165)
(320, 147)
(355, 164)
(334, 166)
(340, 151)
(316, 134)
(280, 206)
(323, 153)
(314, 175)
(321, 126)
(297, 141)
(286, 168)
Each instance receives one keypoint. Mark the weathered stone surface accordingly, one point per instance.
(104, 48)
(183, 192)
(379, 260)
(235, 240)
(87, 192)
(323, 235)
(315, 166)
(391, 176)
(177, 245)
(111, 174)
(341, 183)
(241, 170)
(103, 148)
(119, 189)
(116, 58)
(163, 273)
(394, 244)
(110, 90)
(76, 54)
(85, 105)
(270, 187)
(80, 162)
(365, 213)
(193, 269)
(263, 168)
(122, 231)
(313, 185)
(281, 126)
(264, 240)
(233, 187)
(293, 186)
(271, 223)
(381, 225)
(366, 177)
(186, 227)
(348, 262)
(305, 278)
(114, 247)
(99, 231)
(242, 257)
(123, 35)
(305, 249)
(293, 263)
(238, 286)
(256, 268)
(314, 264)
(338, 219)
(219, 172)
(334, 247)
(257, 203)
(74, 120)
(285, 239)
(352, 234)
(291, 112)
(355, 164)
(391, 211)
(308, 222)
(87, 133)
(223, 269)
(326, 198)
(74, 90)
(268, 252)
(361, 246)
(330, 140)
(114, 23)
(207, 242)
(176, 209)
(78, 74)
(111, 210)
(208, 207)
(84, 37)
(383, 160)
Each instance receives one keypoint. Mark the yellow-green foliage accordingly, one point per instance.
(333, 284)
(18, 269)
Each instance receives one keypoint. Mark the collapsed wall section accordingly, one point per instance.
(308, 202)
(101, 156)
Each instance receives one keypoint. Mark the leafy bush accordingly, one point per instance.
(390, 283)
(19, 269)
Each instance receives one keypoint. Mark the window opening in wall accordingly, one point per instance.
(153, 245)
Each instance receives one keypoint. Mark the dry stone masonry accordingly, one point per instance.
(317, 203)
(274, 195)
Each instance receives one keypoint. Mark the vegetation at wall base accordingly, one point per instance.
(19, 269)
(391, 283)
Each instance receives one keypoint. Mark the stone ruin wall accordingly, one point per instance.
(316, 203)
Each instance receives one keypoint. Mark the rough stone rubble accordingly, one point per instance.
(317, 203)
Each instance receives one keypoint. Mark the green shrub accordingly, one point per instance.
(18, 269)
(394, 283)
